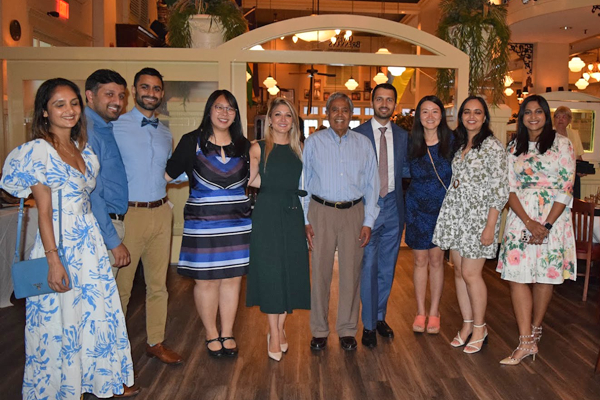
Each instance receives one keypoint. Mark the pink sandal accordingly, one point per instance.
(433, 325)
(419, 324)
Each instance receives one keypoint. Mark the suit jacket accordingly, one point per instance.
(400, 138)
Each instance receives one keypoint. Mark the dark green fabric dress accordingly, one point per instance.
(278, 277)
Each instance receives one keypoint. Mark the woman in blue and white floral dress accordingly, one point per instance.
(75, 340)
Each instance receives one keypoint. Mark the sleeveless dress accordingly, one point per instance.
(539, 180)
(217, 225)
(279, 278)
(424, 198)
(75, 342)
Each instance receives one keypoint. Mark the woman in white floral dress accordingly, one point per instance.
(538, 246)
(75, 339)
(468, 223)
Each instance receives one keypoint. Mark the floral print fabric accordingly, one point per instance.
(75, 342)
(539, 180)
(478, 184)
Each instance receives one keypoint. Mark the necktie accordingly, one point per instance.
(153, 122)
(383, 164)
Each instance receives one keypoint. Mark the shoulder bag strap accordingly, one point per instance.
(17, 256)
(435, 170)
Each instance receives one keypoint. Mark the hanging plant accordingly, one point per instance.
(479, 29)
(224, 12)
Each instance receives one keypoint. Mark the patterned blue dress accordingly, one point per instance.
(217, 224)
(75, 342)
(424, 198)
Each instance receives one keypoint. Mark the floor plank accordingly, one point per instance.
(409, 366)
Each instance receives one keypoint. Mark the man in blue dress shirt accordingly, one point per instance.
(105, 92)
(146, 145)
(340, 175)
(379, 262)
(105, 96)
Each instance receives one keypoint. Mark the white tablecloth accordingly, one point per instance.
(8, 237)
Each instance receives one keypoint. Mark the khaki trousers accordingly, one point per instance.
(149, 239)
(333, 229)
(120, 228)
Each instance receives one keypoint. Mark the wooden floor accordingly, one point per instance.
(410, 366)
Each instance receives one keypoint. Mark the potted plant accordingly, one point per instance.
(222, 19)
(479, 29)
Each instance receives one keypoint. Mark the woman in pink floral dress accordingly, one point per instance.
(538, 246)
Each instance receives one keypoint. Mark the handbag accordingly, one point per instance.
(30, 277)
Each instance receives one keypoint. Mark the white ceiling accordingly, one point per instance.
(549, 28)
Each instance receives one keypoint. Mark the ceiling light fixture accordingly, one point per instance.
(581, 84)
(396, 71)
(270, 82)
(508, 80)
(508, 92)
(273, 90)
(383, 50)
(257, 47)
(380, 78)
(351, 84)
(316, 36)
(295, 39)
(576, 64)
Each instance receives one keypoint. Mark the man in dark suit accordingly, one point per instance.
(379, 260)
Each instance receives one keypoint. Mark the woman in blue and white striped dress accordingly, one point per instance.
(216, 235)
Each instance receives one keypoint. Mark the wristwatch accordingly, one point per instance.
(548, 225)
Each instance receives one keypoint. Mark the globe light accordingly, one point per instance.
(269, 82)
(581, 84)
(576, 64)
(273, 90)
(508, 92)
(383, 50)
(380, 78)
(351, 84)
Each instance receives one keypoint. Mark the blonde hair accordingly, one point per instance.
(294, 131)
(564, 110)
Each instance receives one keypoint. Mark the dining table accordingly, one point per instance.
(9, 216)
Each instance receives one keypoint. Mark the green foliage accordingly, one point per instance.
(226, 12)
(479, 29)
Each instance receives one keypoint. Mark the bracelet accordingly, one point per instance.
(51, 251)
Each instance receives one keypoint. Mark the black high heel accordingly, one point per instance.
(215, 353)
(229, 352)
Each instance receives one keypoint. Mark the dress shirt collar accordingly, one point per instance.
(98, 120)
(335, 135)
(138, 116)
(376, 125)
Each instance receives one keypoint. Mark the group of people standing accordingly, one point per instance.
(340, 190)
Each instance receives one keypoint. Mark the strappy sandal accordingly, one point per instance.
(529, 351)
(457, 341)
(536, 332)
(471, 345)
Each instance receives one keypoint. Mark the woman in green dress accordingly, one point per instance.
(278, 277)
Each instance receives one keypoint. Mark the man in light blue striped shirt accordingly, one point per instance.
(342, 181)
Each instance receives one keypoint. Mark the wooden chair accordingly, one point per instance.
(583, 226)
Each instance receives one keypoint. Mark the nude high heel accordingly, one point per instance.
(274, 356)
(530, 351)
(284, 347)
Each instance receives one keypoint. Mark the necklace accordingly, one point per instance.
(66, 150)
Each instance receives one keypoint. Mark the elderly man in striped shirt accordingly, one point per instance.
(342, 181)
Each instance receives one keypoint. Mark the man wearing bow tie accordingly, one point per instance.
(145, 145)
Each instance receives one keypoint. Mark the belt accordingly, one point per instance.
(148, 204)
(337, 204)
(118, 217)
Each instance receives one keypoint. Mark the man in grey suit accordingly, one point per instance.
(379, 260)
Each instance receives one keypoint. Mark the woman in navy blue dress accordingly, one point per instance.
(430, 157)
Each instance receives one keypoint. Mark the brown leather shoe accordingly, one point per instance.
(129, 391)
(164, 354)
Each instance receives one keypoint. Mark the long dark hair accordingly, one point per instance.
(40, 127)
(461, 131)
(240, 143)
(545, 139)
(444, 133)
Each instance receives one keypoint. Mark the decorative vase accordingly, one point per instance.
(206, 32)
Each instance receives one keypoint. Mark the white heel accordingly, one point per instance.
(471, 347)
(274, 356)
(284, 347)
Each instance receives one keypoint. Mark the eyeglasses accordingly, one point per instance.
(229, 110)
